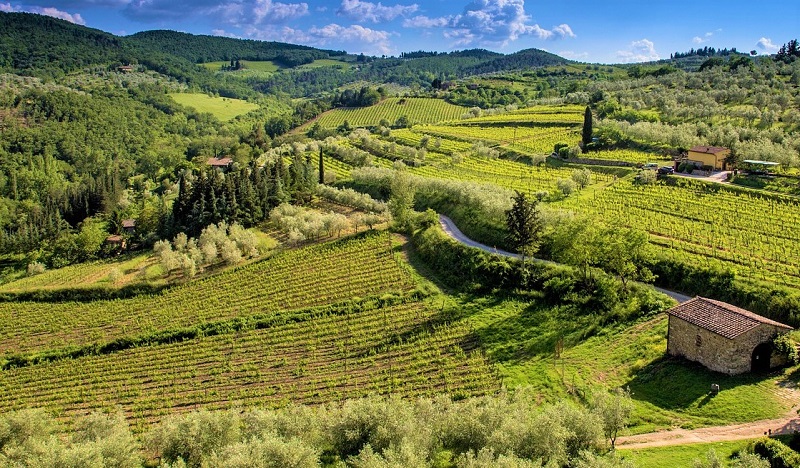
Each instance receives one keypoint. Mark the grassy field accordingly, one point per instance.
(519, 337)
(324, 63)
(681, 456)
(266, 66)
(417, 110)
(222, 108)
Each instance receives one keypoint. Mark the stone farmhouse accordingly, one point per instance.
(723, 337)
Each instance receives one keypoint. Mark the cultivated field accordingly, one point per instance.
(417, 110)
(708, 225)
(222, 108)
(322, 274)
(305, 357)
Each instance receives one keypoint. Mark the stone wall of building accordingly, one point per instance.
(730, 356)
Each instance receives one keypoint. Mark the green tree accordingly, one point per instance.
(321, 169)
(586, 134)
(614, 409)
(624, 253)
(401, 202)
(524, 223)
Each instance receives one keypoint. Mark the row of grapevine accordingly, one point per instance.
(321, 274)
(703, 225)
(328, 358)
(82, 274)
(416, 110)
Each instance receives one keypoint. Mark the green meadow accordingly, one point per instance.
(222, 108)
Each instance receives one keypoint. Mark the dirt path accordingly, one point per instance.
(452, 230)
(786, 425)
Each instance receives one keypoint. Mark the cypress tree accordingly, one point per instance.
(321, 168)
(587, 127)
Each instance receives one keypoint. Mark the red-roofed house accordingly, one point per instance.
(723, 337)
(713, 156)
(220, 163)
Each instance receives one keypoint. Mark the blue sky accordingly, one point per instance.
(585, 30)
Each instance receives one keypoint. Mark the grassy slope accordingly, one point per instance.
(680, 455)
(222, 108)
(519, 337)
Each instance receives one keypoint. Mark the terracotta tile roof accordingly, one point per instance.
(708, 149)
(128, 223)
(720, 317)
(220, 162)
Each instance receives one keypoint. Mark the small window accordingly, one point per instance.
(698, 340)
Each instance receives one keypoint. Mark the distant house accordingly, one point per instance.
(220, 163)
(713, 156)
(125, 68)
(723, 337)
(116, 241)
(129, 225)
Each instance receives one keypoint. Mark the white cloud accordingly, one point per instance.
(639, 51)
(495, 22)
(574, 55)
(56, 13)
(240, 13)
(767, 45)
(357, 10)
(703, 39)
(46, 11)
(224, 33)
(425, 22)
(354, 38)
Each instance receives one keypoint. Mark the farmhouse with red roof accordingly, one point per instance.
(723, 337)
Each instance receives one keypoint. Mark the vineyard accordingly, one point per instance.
(528, 140)
(709, 226)
(503, 173)
(531, 116)
(322, 274)
(405, 349)
(635, 157)
(416, 110)
(141, 268)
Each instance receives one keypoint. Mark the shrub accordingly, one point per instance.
(566, 186)
(36, 268)
(775, 452)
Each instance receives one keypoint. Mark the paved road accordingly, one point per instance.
(452, 230)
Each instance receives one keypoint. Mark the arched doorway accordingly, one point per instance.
(761, 357)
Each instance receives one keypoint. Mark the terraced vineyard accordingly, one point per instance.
(308, 359)
(627, 156)
(537, 115)
(322, 274)
(530, 140)
(131, 270)
(503, 173)
(708, 226)
(417, 110)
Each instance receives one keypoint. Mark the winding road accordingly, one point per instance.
(452, 230)
(786, 425)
